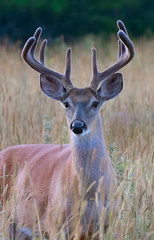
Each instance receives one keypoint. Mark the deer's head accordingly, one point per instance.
(82, 104)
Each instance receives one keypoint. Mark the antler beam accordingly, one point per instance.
(28, 54)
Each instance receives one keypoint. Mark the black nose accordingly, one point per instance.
(78, 126)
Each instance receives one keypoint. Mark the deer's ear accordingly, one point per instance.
(52, 87)
(111, 86)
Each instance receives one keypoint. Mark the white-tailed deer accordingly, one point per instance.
(52, 181)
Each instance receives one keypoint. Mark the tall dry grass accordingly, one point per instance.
(28, 116)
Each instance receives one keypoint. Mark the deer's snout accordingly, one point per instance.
(78, 126)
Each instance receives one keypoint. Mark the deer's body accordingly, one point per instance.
(55, 174)
(76, 180)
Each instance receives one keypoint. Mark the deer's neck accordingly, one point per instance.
(89, 155)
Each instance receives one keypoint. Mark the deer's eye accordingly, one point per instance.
(95, 104)
(66, 104)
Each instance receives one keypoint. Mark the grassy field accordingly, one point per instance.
(27, 116)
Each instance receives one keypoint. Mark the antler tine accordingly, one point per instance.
(122, 27)
(28, 56)
(94, 63)
(42, 51)
(126, 52)
(121, 48)
(67, 82)
(130, 50)
(68, 63)
(37, 36)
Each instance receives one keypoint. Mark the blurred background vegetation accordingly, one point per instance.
(74, 18)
